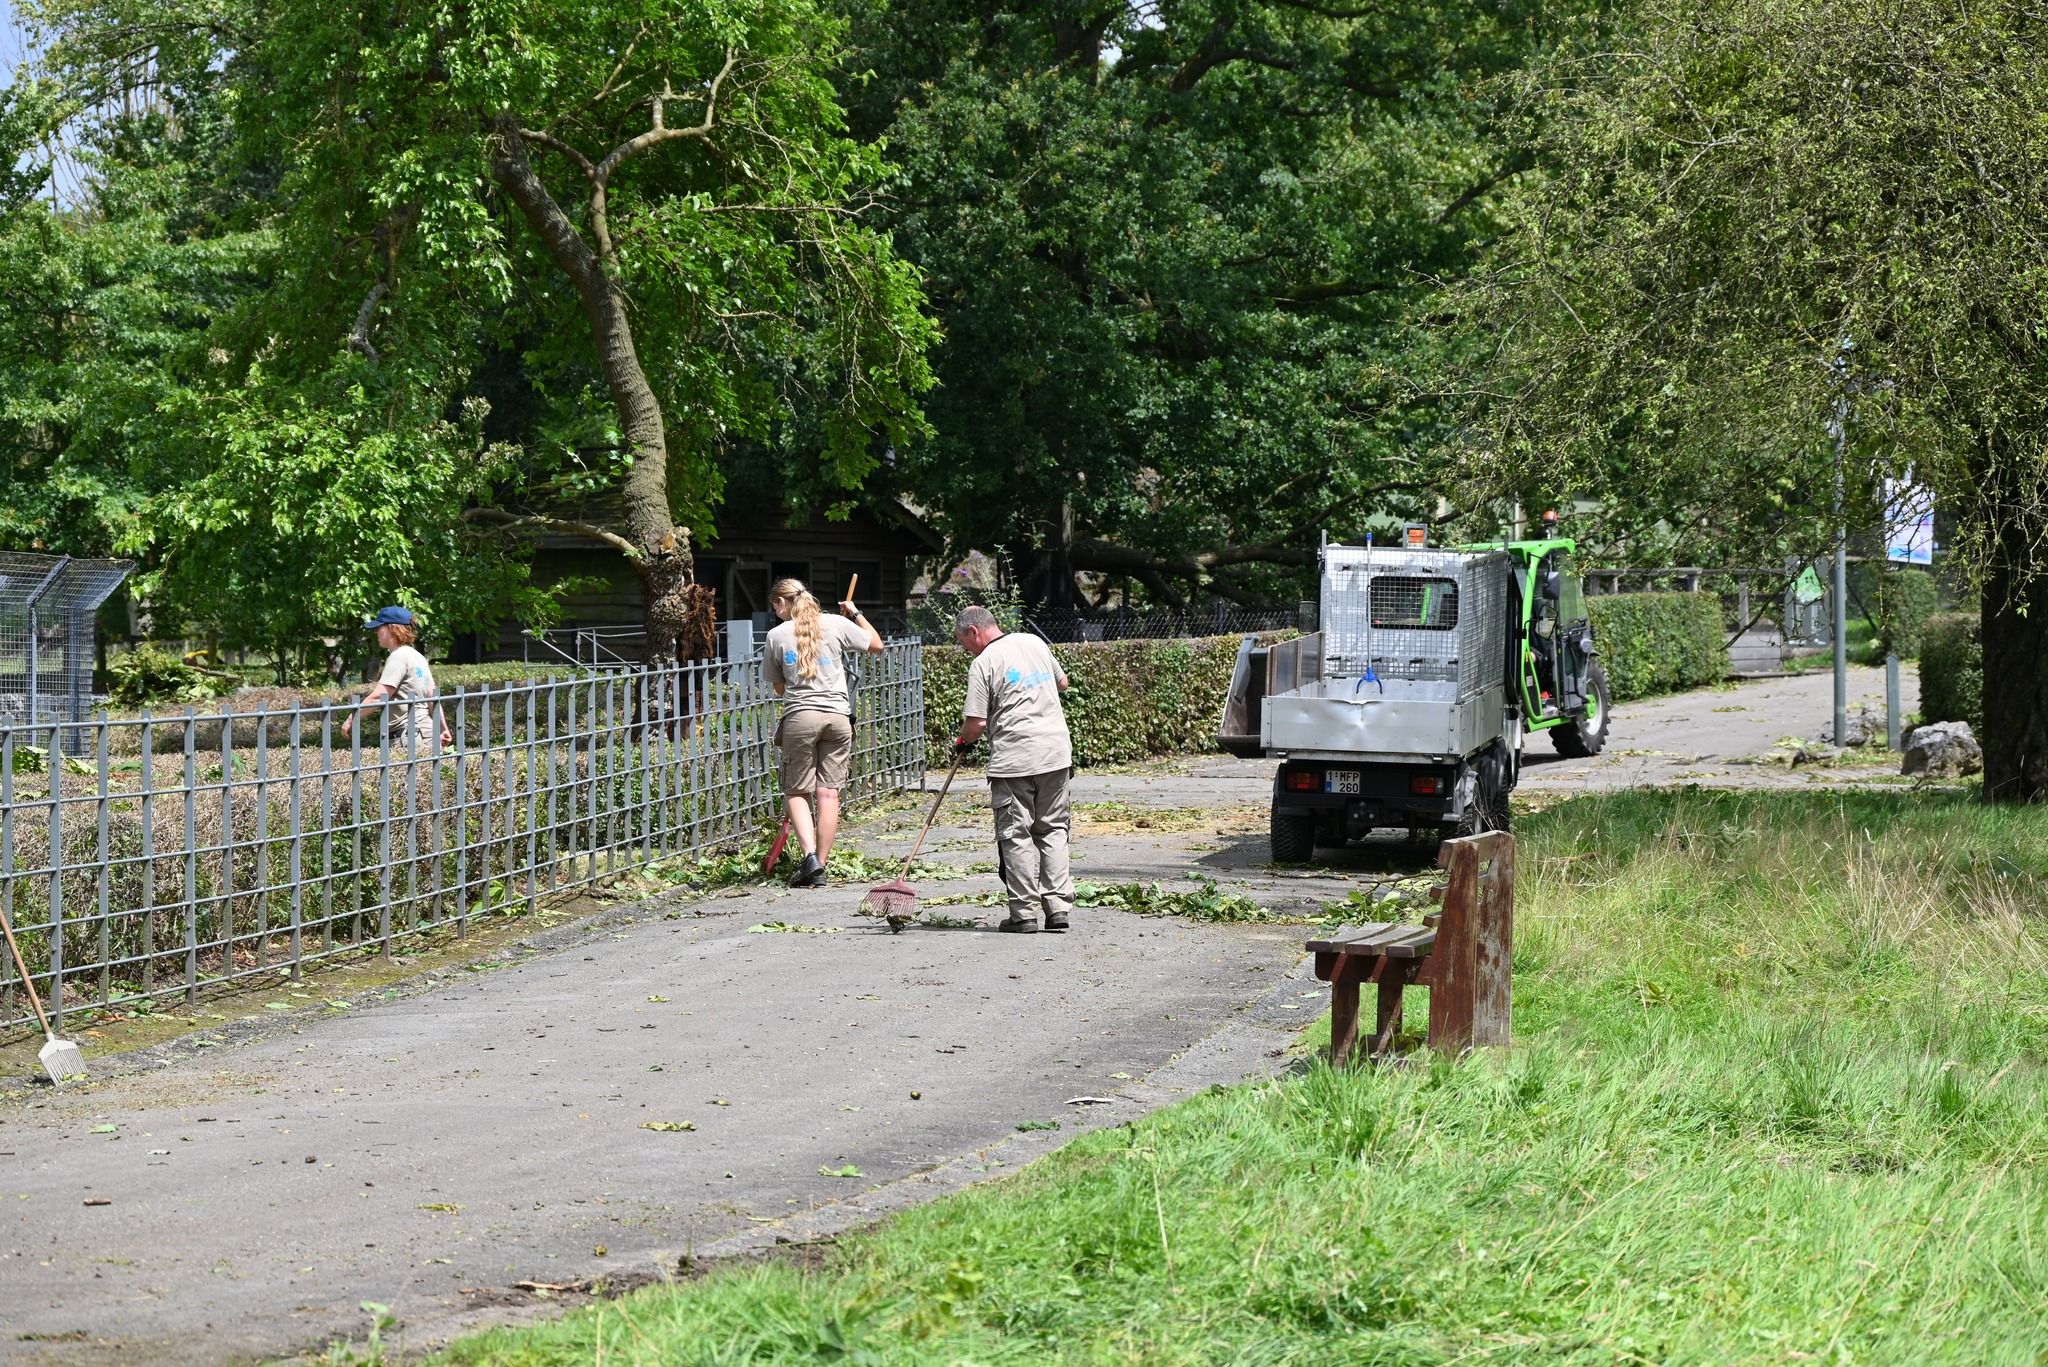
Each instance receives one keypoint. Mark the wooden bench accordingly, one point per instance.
(1461, 953)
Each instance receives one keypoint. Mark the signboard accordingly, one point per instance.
(1908, 523)
(1807, 587)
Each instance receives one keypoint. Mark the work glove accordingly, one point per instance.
(961, 747)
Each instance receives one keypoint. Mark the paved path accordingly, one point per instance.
(479, 1129)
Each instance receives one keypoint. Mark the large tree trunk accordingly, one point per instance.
(2015, 633)
(679, 615)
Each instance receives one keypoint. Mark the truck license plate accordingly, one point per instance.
(1340, 781)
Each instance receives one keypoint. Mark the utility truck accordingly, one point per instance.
(1407, 708)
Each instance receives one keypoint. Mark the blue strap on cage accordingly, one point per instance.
(1368, 677)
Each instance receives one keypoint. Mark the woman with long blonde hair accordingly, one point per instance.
(804, 663)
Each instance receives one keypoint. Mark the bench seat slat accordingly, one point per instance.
(1348, 938)
(1385, 938)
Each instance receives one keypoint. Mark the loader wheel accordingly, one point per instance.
(1294, 838)
(1490, 812)
(1584, 735)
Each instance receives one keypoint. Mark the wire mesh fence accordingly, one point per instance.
(47, 635)
(156, 857)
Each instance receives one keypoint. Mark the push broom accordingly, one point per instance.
(61, 1058)
(896, 902)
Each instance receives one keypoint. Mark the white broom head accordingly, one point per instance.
(62, 1060)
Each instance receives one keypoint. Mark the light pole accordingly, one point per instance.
(1840, 429)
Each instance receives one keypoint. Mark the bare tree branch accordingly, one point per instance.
(508, 523)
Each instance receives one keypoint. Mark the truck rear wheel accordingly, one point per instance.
(1584, 735)
(1294, 837)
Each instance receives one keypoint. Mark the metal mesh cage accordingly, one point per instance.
(1414, 617)
(47, 635)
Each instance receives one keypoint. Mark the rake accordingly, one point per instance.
(896, 902)
(61, 1059)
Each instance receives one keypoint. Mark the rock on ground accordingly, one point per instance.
(1943, 749)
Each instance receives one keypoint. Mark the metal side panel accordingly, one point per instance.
(1385, 726)
(1481, 718)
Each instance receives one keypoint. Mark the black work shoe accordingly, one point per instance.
(1019, 925)
(808, 874)
(1055, 920)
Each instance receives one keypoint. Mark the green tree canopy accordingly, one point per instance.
(1752, 212)
(1175, 248)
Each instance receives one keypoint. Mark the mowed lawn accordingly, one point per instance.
(1777, 1096)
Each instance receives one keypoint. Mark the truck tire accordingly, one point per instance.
(1294, 838)
(1584, 735)
(1491, 811)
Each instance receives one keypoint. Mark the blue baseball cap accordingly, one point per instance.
(393, 616)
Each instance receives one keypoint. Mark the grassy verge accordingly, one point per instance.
(1776, 1097)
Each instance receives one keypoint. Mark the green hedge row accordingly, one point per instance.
(1129, 699)
(1658, 642)
(1906, 600)
(1952, 670)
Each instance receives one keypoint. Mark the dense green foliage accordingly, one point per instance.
(1733, 1129)
(1758, 219)
(151, 675)
(1128, 699)
(1174, 250)
(1952, 670)
(1905, 600)
(1658, 642)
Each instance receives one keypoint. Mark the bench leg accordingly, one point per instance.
(1344, 981)
(1393, 980)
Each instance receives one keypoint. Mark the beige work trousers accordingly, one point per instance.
(1032, 822)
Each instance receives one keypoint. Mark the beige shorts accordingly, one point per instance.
(817, 750)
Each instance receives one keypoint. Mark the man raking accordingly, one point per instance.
(1013, 695)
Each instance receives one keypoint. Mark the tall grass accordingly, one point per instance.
(1777, 1096)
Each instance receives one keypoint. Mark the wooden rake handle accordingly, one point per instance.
(933, 815)
(28, 984)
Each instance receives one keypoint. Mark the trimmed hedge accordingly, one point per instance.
(1952, 670)
(1128, 700)
(1658, 642)
(1906, 600)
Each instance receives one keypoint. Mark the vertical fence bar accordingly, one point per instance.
(383, 842)
(556, 856)
(461, 814)
(147, 801)
(485, 846)
(357, 877)
(7, 844)
(589, 785)
(532, 805)
(53, 770)
(191, 861)
(610, 831)
(327, 829)
(296, 871)
(409, 801)
(261, 886)
(227, 836)
(106, 853)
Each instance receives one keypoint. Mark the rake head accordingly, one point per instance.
(895, 902)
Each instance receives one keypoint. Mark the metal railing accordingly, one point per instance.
(155, 857)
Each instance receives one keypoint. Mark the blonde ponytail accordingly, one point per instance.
(803, 614)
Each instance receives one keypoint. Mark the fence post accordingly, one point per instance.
(461, 814)
(191, 861)
(106, 861)
(296, 855)
(147, 801)
(53, 770)
(532, 807)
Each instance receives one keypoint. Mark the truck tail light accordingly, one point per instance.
(1304, 781)
(1426, 785)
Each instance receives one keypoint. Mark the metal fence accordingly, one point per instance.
(48, 633)
(155, 857)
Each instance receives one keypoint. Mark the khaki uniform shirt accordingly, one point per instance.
(838, 637)
(1014, 685)
(411, 680)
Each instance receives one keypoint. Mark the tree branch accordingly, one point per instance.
(549, 140)
(502, 521)
(661, 132)
(1512, 167)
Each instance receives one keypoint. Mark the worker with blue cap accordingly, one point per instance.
(409, 679)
